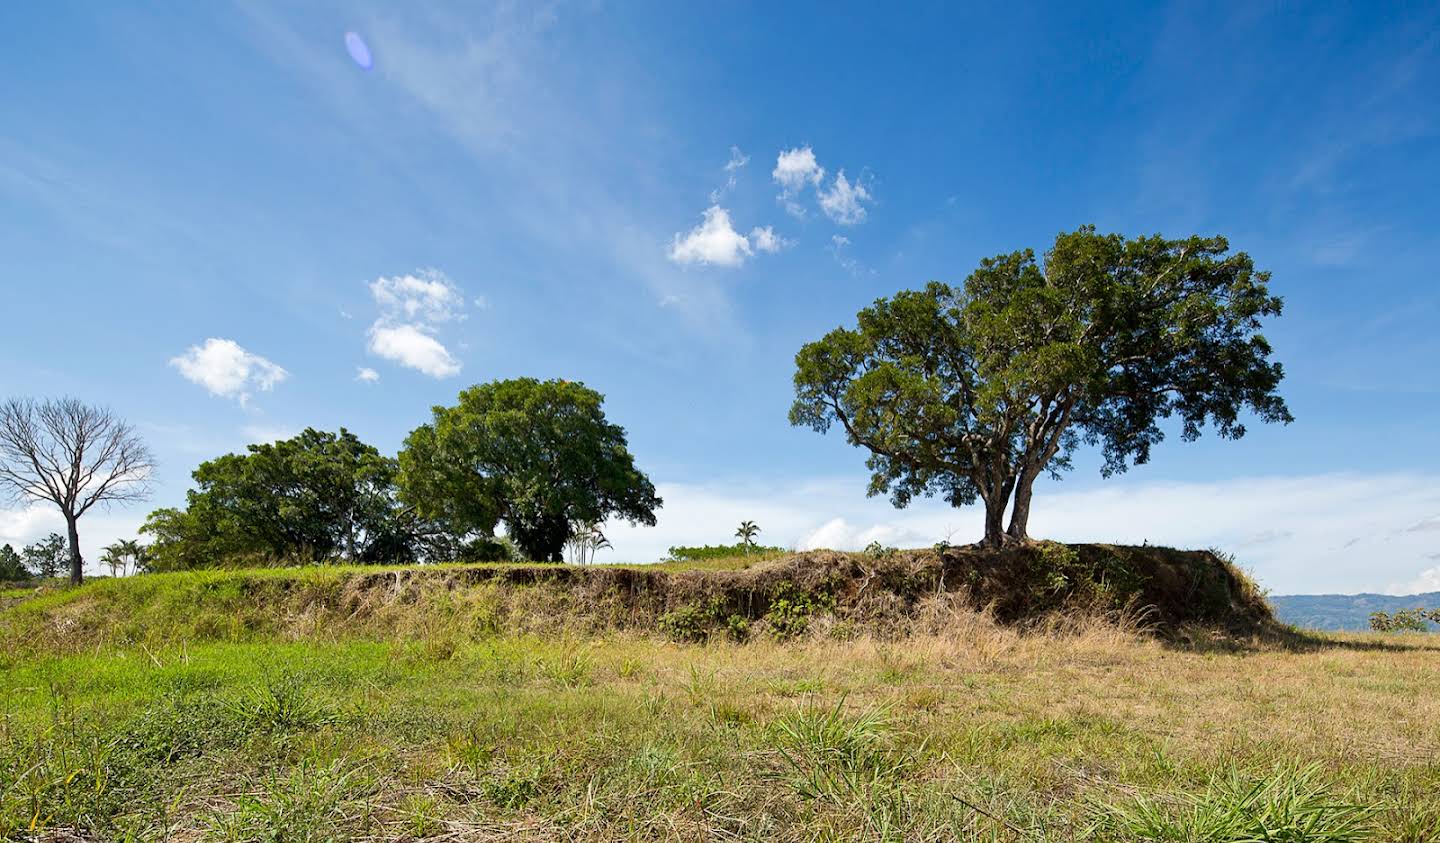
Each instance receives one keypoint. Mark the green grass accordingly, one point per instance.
(623, 738)
(436, 725)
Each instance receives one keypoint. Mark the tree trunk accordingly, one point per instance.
(995, 503)
(1020, 515)
(77, 565)
(994, 523)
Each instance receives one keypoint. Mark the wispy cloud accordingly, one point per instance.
(227, 370)
(766, 240)
(732, 168)
(844, 201)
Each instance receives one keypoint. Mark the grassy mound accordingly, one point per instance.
(468, 703)
(894, 593)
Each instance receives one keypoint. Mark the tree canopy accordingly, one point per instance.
(47, 557)
(974, 392)
(538, 456)
(12, 567)
(315, 496)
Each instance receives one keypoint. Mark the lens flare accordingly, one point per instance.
(358, 50)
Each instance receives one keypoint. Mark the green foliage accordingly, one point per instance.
(49, 557)
(1057, 575)
(538, 455)
(696, 622)
(791, 608)
(309, 498)
(12, 567)
(707, 552)
(972, 393)
(1287, 805)
(1405, 620)
(876, 550)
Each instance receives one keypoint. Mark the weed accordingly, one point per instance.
(281, 705)
(836, 757)
(310, 804)
(1287, 805)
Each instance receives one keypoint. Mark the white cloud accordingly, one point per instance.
(766, 240)
(713, 241)
(226, 369)
(839, 533)
(842, 202)
(411, 309)
(1427, 581)
(796, 168)
(1321, 514)
(426, 296)
(410, 346)
(365, 374)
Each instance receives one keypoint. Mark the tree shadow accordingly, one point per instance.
(1288, 639)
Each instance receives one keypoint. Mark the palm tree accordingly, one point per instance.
(111, 558)
(585, 539)
(123, 554)
(747, 533)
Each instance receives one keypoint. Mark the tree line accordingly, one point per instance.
(538, 457)
(968, 392)
(49, 558)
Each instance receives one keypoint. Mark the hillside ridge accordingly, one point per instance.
(888, 594)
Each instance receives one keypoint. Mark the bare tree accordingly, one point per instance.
(72, 455)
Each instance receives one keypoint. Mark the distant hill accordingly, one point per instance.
(1345, 611)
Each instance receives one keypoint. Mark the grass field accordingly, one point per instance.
(1069, 731)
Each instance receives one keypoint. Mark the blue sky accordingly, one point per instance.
(212, 220)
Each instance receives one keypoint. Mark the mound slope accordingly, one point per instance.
(793, 595)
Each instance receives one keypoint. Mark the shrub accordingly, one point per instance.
(876, 550)
(702, 553)
(791, 608)
(1404, 620)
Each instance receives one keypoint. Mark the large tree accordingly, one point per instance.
(311, 497)
(975, 392)
(72, 455)
(538, 456)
